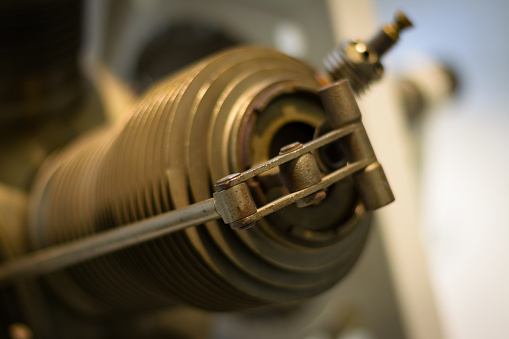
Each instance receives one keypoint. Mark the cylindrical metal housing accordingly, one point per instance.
(223, 115)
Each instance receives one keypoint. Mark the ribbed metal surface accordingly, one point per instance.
(182, 136)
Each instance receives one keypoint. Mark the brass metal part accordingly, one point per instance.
(232, 202)
(373, 187)
(359, 62)
(389, 34)
(20, 331)
(13, 237)
(341, 109)
(223, 115)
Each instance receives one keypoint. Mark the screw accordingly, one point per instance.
(290, 148)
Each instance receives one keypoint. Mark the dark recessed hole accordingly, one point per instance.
(290, 133)
(331, 155)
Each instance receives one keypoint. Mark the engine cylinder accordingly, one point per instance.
(222, 115)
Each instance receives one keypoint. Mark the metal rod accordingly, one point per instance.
(283, 158)
(60, 256)
(292, 197)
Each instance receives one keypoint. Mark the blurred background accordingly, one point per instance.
(436, 264)
(463, 162)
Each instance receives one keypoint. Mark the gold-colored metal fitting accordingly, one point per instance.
(359, 62)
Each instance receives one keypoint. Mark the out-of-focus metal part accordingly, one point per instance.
(13, 236)
(24, 147)
(21, 302)
(340, 104)
(389, 34)
(115, 95)
(60, 256)
(20, 331)
(373, 187)
(359, 62)
(426, 83)
(399, 231)
(342, 109)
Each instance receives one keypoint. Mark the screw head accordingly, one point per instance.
(290, 148)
